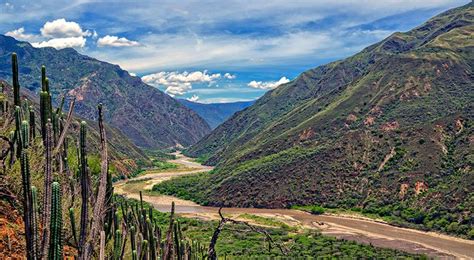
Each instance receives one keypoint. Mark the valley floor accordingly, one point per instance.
(341, 226)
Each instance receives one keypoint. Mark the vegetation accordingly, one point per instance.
(238, 241)
(101, 231)
(387, 131)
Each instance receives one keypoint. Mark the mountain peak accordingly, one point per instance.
(149, 117)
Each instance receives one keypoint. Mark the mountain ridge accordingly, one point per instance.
(149, 117)
(388, 130)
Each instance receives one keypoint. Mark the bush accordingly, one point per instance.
(317, 210)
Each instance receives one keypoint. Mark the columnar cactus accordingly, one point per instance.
(73, 225)
(56, 247)
(44, 112)
(32, 124)
(16, 82)
(27, 203)
(43, 79)
(25, 132)
(18, 131)
(84, 186)
(34, 221)
(48, 181)
(118, 244)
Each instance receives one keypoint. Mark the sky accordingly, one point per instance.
(214, 51)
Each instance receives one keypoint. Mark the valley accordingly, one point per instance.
(354, 228)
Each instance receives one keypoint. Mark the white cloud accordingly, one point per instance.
(20, 34)
(115, 41)
(179, 83)
(61, 43)
(60, 28)
(194, 98)
(268, 84)
(229, 76)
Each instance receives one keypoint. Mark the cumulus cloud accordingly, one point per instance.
(179, 83)
(58, 34)
(229, 76)
(115, 41)
(268, 84)
(20, 34)
(61, 43)
(194, 98)
(60, 28)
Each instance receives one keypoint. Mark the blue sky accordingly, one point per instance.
(214, 51)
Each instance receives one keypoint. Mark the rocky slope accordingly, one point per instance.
(146, 115)
(388, 131)
(216, 113)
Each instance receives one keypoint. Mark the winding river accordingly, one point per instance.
(341, 226)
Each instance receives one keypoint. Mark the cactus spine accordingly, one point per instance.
(56, 247)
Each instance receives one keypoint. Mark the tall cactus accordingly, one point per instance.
(16, 82)
(32, 123)
(73, 225)
(27, 203)
(43, 79)
(117, 244)
(84, 188)
(18, 131)
(43, 112)
(56, 247)
(34, 220)
(25, 134)
(48, 181)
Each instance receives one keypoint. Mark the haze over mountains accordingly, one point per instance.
(149, 117)
(388, 127)
(216, 114)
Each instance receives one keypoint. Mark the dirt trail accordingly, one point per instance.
(350, 228)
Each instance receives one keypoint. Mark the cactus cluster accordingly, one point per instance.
(45, 232)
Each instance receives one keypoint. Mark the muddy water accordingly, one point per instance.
(350, 228)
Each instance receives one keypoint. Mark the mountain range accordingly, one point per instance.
(387, 131)
(216, 113)
(149, 117)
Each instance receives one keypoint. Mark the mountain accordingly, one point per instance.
(149, 117)
(125, 157)
(215, 114)
(387, 131)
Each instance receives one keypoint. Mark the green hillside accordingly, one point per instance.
(387, 131)
(147, 116)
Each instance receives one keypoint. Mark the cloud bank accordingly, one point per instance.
(179, 83)
(115, 41)
(268, 84)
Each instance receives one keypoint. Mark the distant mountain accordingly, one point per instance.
(125, 157)
(216, 113)
(388, 131)
(149, 117)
